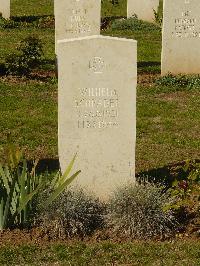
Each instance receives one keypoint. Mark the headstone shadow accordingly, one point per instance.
(29, 19)
(167, 174)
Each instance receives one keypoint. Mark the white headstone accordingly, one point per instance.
(142, 8)
(97, 110)
(181, 37)
(77, 18)
(5, 8)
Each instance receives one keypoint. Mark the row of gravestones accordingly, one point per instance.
(97, 87)
(181, 33)
(143, 8)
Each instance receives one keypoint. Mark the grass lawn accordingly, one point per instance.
(31, 7)
(167, 117)
(104, 253)
(45, 7)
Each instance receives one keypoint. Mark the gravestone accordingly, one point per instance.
(142, 8)
(5, 8)
(181, 37)
(97, 110)
(77, 18)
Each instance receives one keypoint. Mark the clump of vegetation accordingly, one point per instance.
(19, 187)
(134, 24)
(183, 81)
(8, 23)
(29, 56)
(73, 213)
(136, 211)
(27, 22)
(185, 196)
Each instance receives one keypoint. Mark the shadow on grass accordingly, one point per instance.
(46, 71)
(149, 67)
(49, 61)
(3, 69)
(165, 175)
(45, 165)
(148, 64)
(106, 21)
(30, 19)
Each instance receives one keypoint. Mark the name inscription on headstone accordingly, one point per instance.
(78, 22)
(76, 18)
(185, 26)
(180, 38)
(97, 108)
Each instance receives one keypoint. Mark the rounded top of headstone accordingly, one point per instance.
(97, 37)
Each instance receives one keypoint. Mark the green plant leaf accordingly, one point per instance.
(61, 188)
(4, 176)
(67, 171)
(28, 198)
(2, 214)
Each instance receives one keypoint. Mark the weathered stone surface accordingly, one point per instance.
(5, 8)
(142, 8)
(77, 18)
(97, 110)
(181, 37)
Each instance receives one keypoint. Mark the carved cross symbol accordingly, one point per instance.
(97, 65)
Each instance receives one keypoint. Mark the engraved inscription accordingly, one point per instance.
(186, 26)
(97, 108)
(78, 22)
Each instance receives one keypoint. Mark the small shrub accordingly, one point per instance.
(185, 195)
(27, 22)
(8, 23)
(183, 81)
(45, 22)
(134, 24)
(73, 213)
(137, 212)
(29, 56)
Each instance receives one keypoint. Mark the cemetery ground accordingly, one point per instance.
(167, 134)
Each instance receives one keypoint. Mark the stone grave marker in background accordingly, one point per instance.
(181, 37)
(97, 110)
(5, 8)
(77, 18)
(142, 8)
